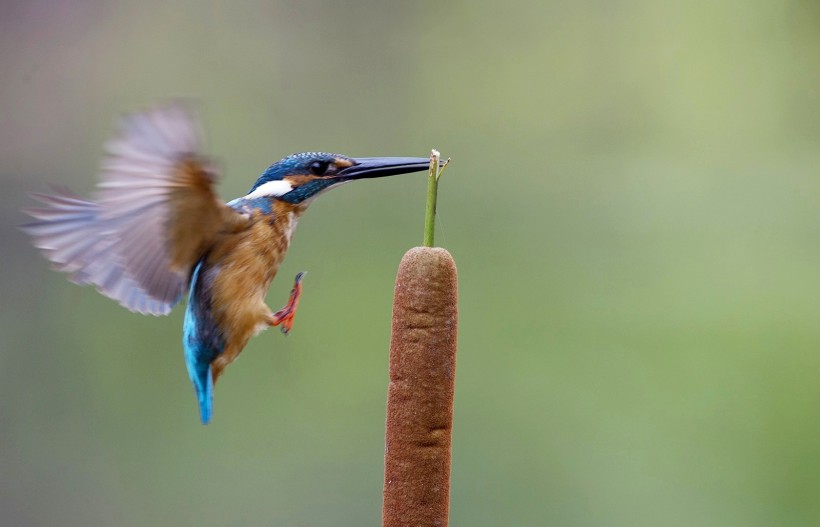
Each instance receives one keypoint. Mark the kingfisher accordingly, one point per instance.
(156, 231)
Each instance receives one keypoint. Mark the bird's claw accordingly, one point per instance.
(284, 317)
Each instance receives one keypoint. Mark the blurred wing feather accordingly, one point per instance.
(155, 215)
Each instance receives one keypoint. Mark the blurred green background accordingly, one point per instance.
(633, 207)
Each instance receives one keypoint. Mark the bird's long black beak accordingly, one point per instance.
(373, 167)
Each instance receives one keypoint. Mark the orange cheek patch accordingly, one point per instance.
(299, 180)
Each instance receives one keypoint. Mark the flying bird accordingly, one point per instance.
(156, 230)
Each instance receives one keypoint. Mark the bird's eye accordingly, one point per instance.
(318, 168)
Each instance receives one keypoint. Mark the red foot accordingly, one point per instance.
(284, 316)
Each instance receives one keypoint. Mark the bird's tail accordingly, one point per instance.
(202, 344)
(203, 381)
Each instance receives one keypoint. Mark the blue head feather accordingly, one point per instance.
(299, 165)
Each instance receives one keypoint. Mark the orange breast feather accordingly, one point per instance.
(248, 262)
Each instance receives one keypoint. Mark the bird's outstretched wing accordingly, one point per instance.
(155, 214)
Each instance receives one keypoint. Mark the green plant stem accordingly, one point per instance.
(432, 196)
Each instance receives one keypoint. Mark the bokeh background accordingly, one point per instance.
(633, 206)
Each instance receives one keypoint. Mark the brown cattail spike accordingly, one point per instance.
(420, 394)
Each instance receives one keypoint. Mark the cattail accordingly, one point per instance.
(420, 393)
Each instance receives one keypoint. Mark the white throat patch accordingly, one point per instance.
(271, 189)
